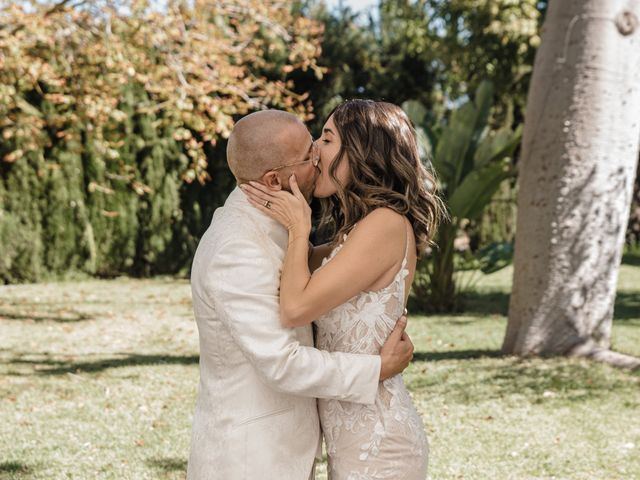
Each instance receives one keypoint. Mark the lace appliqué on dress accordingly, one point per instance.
(371, 442)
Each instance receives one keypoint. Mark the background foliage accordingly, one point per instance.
(434, 51)
(109, 120)
(114, 115)
(472, 161)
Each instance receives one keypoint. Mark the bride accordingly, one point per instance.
(381, 205)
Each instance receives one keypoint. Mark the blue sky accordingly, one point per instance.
(356, 5)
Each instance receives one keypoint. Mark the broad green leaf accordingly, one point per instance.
(425, 148)
(494, 257)
(454, 142)
(475, 192)
(415, 110)
(496, 146)
(482, 102)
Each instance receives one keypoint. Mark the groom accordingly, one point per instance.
(256, 414)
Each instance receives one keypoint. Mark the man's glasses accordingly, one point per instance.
(315, 159)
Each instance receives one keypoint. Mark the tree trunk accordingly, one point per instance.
(443, 292)
(579, 156)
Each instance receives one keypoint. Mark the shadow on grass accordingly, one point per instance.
(168, 464)
(536, 379)
(61, 316)
(16, 469)
(470, 303)
(631, 258)
(60, 367)
(627, 304)
(577, 381)
(455, 355)
(490, 303)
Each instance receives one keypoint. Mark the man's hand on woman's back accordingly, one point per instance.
(397, 351)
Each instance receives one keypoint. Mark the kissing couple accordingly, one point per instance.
(266, 393)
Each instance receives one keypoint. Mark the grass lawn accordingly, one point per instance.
(98, 381)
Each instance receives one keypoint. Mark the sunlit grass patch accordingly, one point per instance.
(98, 381)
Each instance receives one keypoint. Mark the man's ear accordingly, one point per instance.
(272, 181)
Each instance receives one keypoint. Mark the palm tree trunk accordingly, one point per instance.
(442, 289)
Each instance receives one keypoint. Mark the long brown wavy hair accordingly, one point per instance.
(379, 142)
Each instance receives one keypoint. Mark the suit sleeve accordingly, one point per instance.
(242, 285)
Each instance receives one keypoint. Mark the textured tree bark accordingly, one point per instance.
(579, 156)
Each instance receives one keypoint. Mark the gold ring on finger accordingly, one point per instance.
(267, 204)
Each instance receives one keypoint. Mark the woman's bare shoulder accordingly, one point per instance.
(383, 217)
(382, 224)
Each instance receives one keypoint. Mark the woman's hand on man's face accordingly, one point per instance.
(288, 209)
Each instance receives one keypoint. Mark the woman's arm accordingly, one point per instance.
(374, 247)
(371, 250)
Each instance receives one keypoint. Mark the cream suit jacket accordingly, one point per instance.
(256, 416)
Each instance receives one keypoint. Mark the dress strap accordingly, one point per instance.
(406, 248)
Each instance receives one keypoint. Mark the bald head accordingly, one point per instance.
(265, 140)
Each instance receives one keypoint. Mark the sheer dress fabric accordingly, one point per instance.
(385, 440)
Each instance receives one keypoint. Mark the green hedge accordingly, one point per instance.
(69, 208)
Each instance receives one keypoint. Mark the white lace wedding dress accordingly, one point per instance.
(371, 442)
